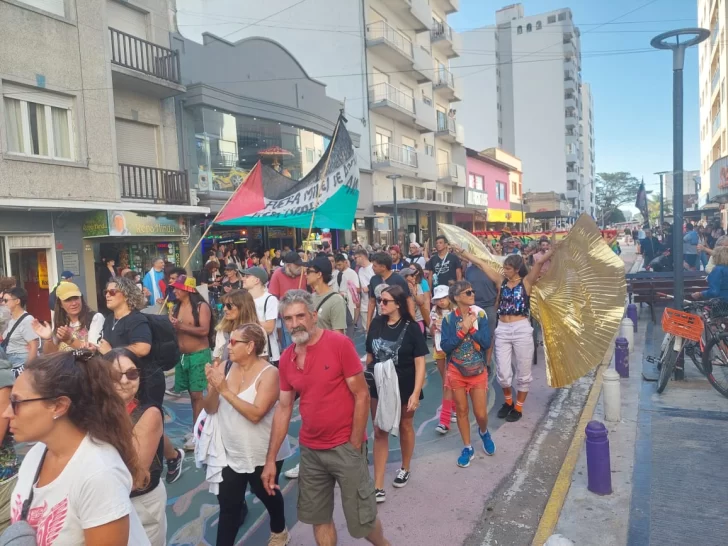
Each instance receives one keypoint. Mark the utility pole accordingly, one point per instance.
(695, 36)
(662, 196)
(393, 178)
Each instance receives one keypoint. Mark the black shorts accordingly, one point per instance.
(406, 382)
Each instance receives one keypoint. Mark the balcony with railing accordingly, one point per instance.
(144, 66)
(716, 122)
(445, 39)
(416, 14)
(161, 186)
(451, 173)
(715, 80)
(571, 118)
(390, 43)
(394, 159)
(444, 83)
(391, 101)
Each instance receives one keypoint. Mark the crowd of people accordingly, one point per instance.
(272, 331)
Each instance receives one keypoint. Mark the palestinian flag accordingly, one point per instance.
(268, 198)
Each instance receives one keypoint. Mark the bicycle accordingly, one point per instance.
(715, 356)
(695, 335)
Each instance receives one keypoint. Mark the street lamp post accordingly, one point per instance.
(393, 178)
(695, 36)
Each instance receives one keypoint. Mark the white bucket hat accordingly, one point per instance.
(441, 292)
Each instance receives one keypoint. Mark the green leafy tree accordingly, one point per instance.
(612, 191)
(653, 207)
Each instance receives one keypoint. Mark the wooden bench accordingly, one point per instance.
(649, 287)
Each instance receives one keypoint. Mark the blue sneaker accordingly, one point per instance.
(465, 457)
(488, 443)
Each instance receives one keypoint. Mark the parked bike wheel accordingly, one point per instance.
(715, 366)
(668, 365)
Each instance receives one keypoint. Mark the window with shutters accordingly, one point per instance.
(126, 19)
(38, 123)
(136, 143)
(56, 7)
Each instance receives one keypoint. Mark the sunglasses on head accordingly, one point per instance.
(111, 292)
(132, 374)
(468, 292)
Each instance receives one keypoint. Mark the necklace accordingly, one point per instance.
(395, 325)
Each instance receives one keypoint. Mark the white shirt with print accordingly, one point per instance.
(269, 312)
(365, 276)
(349, 288)
(92, 490)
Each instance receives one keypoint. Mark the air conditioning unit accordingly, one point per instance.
(194, 200)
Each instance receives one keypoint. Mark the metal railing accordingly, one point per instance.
(440, 31)
(404, 155)
(716, 79)
(132, 52)
(400, 42)
(444, 77)
(446, 123)
(716, 122)
(447, 170)
(153, 184)
(386, 91)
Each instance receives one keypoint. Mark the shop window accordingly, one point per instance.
(38, 123)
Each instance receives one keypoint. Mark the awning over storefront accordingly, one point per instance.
(503, 215)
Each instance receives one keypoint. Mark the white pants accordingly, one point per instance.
(150, 508)
(514, 341)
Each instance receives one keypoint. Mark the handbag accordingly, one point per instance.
(21, 533)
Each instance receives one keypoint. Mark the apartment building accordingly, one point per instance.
(388, 61)
(89, 166)
(522, 92)
(713, 66)
(587, 177)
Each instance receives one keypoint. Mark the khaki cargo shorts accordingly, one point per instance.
(320, 470)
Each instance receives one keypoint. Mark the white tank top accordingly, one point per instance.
(246, 443)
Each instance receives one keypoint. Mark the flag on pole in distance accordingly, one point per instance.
(641, 202)
(268, 198)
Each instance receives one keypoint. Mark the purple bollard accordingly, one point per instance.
(597, 459)
(632, 314)
(621, 357)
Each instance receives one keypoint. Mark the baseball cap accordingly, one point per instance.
(257, 272)
(67, 290)
(187, 284)
(395, 248)
(441, 292)
(321, 264)
(293, 258)
(231, 267)
(67, 275)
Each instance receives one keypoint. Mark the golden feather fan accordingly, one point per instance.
(579, 301)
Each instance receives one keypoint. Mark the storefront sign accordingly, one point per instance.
(42, 270)
(130, 224)
(502, 215)
(280, 233)
(71, 262)
(479, 199)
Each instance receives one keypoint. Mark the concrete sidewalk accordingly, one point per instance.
(666, 454)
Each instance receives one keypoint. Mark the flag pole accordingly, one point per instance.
(318, 189)
(209, 227)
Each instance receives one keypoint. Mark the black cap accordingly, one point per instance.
(292, 258)
(231, 267)
(322, 265)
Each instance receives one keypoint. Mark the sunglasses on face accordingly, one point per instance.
(15, 402)
(468, 292)
(111, 292)
(383, 301)
(234, 342)
(311, 271)
(131, 374)
(229, 306)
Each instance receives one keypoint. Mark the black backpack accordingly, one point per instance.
(165, 350)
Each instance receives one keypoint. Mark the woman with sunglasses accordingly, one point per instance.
(75, 325)
(77, 477)
(244, 397)
(465, 341)
(147, 420)
(514, 333)
(395, 335)
(238, 308)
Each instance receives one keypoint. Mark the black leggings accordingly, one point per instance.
(232, 496)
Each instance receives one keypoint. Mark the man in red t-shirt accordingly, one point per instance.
(323, 367)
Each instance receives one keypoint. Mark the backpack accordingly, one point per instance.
(165, 352)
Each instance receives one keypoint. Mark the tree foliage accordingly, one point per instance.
(613, 190)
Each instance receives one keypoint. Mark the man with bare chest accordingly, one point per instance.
(191, 317)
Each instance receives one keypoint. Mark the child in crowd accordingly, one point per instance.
(441, 308)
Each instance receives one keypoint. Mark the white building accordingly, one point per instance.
(389, 60)
(522, 92)
(587, 179)
(691, 188)
(713, 65)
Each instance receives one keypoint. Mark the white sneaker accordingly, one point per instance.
(292, 474)
(189, 442)
(453, 418)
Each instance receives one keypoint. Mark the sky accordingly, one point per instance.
(632, 92)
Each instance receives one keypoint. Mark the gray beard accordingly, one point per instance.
(301, 338)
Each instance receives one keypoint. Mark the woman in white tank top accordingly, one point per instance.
(244, 399)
